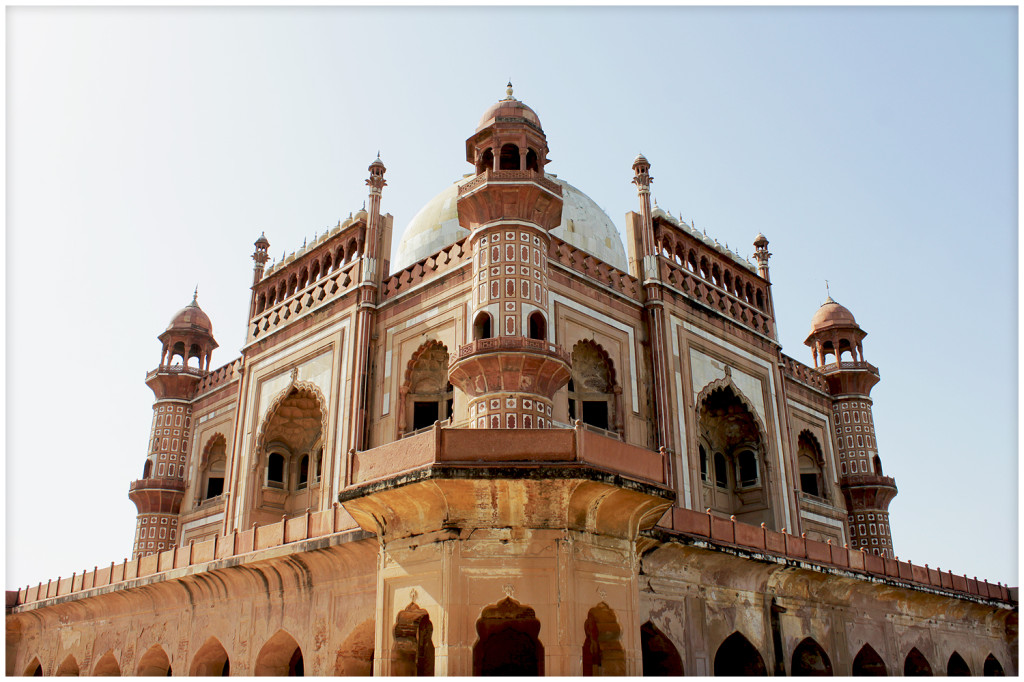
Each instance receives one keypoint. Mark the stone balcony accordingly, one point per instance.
(157, 495)
(509, 363)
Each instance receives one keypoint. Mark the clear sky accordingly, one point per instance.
(147, 148)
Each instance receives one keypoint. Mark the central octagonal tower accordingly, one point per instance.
(510, 370)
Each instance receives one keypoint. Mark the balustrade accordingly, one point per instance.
(695, 287)
(328, 287)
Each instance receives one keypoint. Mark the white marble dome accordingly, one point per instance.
(584, 225)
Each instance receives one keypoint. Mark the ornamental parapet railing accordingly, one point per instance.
(308, 526)
(444, 261)
(867, 480)
(577, 260)
(221, 375)
(733, 533)
(744, 312)
(176, 369)
(512, 343)
(333, 285)
(800, 372)
(172, 484)
(847, 364)
(508, 176)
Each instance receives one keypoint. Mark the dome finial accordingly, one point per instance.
(195, 296)
(828, 294)
(508, 90)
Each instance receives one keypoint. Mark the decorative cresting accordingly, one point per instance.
(510, 371)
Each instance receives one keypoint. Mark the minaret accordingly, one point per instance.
(157, 495)
(868, 492)
(260, 256)
(510, 370)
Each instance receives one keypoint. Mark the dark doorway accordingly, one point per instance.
(868, 663)
(810, 660)
(738, 657)
(660, 657)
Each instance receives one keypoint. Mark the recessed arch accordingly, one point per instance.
(414, 643)
(508, 158)
(355, 656)
(736, 656)
(594, 394)
(993, 667)
(867, 663)
(107, 666)
(33, 669)
(68, 667)
(916, 665)
(957, 666)
(538, 326)
(810, 660)
(426, 396)
(482, 326)
(508, 641)
(660, 656)
(486, 161)
(603, 654)
(281, 656)
(211, 660)
(154, 663)
(810, 464)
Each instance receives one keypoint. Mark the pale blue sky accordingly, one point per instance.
(148, 148)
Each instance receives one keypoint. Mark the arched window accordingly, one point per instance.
(507, 643)
(414, 643)
(877, 461)
(147, 469)
(993, 667)
(810, 660)
(592, 397)
(275, 470)
(703, 463)
(811, 465)
(154, 663)
(211, 660)
(916, 665)
(303, 472)
(660, 656)
(509, 159)
(957, 666)
(738, 657)
(538, 326)
(482, 326)
(293, 430)
(868, 663)
(486, 161)
(280, 657)
(213, 470)
(738, 482)
(429, 396)
(603, 654)
(531, 161)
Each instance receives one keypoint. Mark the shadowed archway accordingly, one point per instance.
(916, 665)
(868, 663)
(736, 656)
(660, 657)
(508, 643)
(281, 656)
(810, 660)
(211, 660)
(957, 666)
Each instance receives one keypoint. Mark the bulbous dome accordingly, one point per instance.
(831, 315)
(511, 108)
(191, 318)
(584, 225)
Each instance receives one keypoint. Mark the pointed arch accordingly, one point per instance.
(737, 656)
(993, 667)
(212, 468)
(594, 394)
(957, 666)
(916, 665)
(295, 388)
(867, 663)
(281, 656)
(211, 660)
(660, 656)
(810, 660)
(414, 643)
(426, 395)
(34, 668)
(68, 667)
(355, 656)
(603, 654)
(508, 642)
(107, 666)
(154, 663)
(810, 465)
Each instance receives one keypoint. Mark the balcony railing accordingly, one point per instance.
(510, 175)
(514, 343)
(176, 369)
(847, 364)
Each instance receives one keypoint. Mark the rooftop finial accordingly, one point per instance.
(828, 295)
(195, 296)
(508, 90)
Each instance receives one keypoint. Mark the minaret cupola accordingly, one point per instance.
(189, 335)
(508, 138)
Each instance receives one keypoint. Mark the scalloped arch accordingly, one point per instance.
(727, 382)
(419, 352)
(818, 450)
(603, 354)
(295, 387)
(210, 442)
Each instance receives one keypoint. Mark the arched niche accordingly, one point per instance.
(355, 656)
(992, 667)
(957, 666)
(602, 646)
(594, 395)
(211, 660)
(413, 654)
(281, 656)
(811, 465)
(213, 468)
(916, 665)
(293, 429)
(33, 669)
(426, 396)
(738, 482)
(660, 656)
(154, 663)
(68, 667)
(736, 656)
(507, 641)
(810, 660)
(867, 663)
(107, 666)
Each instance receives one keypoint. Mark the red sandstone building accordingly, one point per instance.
(519, 449)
